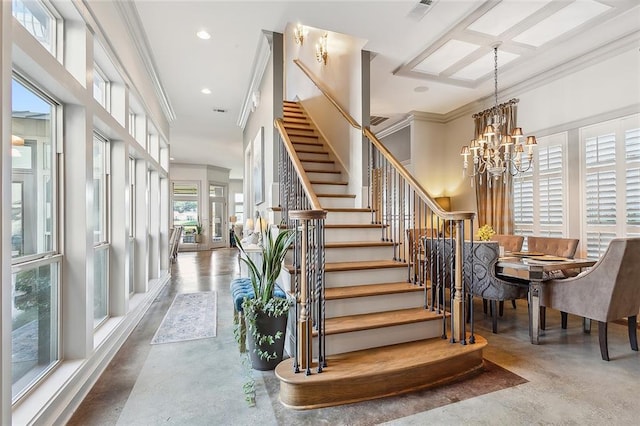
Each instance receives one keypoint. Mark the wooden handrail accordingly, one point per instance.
(326, 92)
(422, 193)
(306, 184)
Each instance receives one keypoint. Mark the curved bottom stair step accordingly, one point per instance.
(379, 372)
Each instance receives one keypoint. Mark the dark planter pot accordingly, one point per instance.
(267, 325)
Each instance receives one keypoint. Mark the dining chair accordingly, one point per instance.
(509, 242)
(512, 243)
(481, 280)
(609, 291)
(554, 246)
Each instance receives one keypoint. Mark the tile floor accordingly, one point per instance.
(200, 382)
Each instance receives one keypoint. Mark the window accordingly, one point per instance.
(539, 204)
(101, 87)
(132, 124)
(132, 223)
(36, 18)
(35, 259)
(238, 203)
(185, 209)
(611, 182)
(101, 228)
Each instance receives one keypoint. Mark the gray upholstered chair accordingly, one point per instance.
(563, 247)
(609, 291)
(484, 283)
(509, 242)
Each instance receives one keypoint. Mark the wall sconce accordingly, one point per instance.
(298, 34)
(321, 50)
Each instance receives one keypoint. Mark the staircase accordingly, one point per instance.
(380, 339)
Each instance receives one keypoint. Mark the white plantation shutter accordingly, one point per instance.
(611, 182)
(601, 197)
(633, 197)
(551, 184)
(523, 200)
(539, 195)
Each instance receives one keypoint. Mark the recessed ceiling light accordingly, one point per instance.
(421, 89)
(203, 35)
(206, 91)
(171, 158)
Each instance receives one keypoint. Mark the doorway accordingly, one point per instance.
(219, 235)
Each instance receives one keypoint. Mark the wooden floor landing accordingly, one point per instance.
(379, 372)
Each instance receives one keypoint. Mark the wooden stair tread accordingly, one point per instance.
(359, 244)
(298, 126)
(322, 171)
(335, 195)
(379, 372)
(310, 151)
(351, 323)
(327, 182)
(294, 141)
(335, 293)
(301, 133)
(316, 161)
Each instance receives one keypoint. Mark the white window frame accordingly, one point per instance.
(105, 99)
(55, 32)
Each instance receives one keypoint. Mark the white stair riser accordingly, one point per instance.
(366, 305)
(321, 188)
(364, 339)
(317, 166)
(352, 234)
(307, 147)
(357, 254)
(348, 218)
(365, 276)
(331, 177)
(310, 156)
(337, 202)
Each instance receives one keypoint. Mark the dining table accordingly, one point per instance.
(536, 268)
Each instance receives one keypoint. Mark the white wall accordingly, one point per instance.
(343, 77)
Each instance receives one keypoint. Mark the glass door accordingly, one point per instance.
(219, 234)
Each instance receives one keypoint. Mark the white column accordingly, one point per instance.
(141, 274)
(119, 251)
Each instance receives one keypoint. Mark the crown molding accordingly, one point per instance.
(260, 62)
(131, 18)
(394, 127)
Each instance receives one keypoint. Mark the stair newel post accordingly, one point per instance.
(457, 311)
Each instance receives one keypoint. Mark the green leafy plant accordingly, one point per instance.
(198, 228)
(263, 279)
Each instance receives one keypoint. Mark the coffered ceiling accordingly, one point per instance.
(432, 56)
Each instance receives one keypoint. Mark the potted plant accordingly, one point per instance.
(199, 236)
(265, 314)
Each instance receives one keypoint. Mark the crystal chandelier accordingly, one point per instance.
(497, 152)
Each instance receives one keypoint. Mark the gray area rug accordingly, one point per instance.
(191, 316)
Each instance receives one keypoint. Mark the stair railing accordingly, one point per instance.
(428, 238)
(301, 210)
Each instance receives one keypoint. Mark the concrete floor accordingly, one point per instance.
(200, 382)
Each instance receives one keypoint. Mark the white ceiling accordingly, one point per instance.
(435, 63)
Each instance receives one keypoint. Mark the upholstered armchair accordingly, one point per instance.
(482, 280)
(609, 291)
(509, 242)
